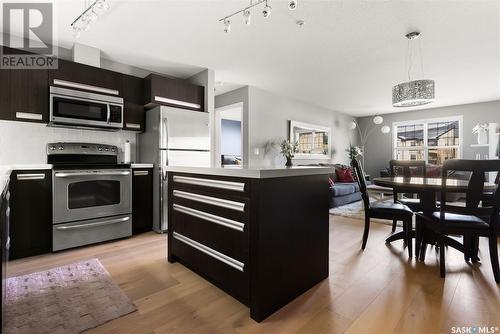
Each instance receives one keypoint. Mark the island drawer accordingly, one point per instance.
(225, 272)
(229, 187)
(225, 235)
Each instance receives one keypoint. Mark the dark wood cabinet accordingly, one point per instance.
(133, 96)
(94, 77)
(31, 213)
(173, 92)
(142, 200)
(24, 94)
(29, 95)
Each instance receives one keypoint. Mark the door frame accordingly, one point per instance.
(217, 131)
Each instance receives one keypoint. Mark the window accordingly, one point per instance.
(433, 140)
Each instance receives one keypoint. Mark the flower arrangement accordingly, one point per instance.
(288, 149)
(354, 152)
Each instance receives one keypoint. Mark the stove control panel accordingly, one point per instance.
(81, 149)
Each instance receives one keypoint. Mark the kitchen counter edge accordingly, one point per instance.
(254, 173)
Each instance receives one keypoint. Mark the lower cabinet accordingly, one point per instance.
(142, 200)
(31, 213)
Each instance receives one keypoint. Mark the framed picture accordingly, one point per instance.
(313, 140)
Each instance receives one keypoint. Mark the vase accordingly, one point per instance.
(482, 137)
(289, 162)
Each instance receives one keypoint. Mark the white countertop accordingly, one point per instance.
(141, 165)
(30, 167)
(254, 173)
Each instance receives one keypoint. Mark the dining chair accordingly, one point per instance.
(470, 221)
(407, 169)
(382, 210)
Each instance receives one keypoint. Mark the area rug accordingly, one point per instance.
(356, 210)
(66, 299)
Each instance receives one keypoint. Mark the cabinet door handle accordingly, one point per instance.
(24, 177)
(86, 87)
(210, 217)
(223, 203)
(210, 252)
(141, 172)
(227, 185)
(28, 115)
(177, 102)
(134, 126)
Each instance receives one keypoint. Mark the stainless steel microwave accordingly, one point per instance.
(69, 107)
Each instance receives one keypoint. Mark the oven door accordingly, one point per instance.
(89, 194)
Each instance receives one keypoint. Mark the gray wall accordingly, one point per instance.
(378, 150)
(266, 117)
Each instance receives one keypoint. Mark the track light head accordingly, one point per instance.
(247, 16)
(292, 4)
(266, 11)
(227, 26)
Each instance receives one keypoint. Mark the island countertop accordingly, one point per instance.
(253, 172)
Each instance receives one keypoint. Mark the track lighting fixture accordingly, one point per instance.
(227, 26)
(247, 16)
(88, 16)
(266, 11)
(292, 4)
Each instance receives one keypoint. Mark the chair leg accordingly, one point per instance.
(442, 266)
(394, 223)
(365, 233)
(475, 249)
(409, 241)
(418, 236)
(467, 247)
(494, 256)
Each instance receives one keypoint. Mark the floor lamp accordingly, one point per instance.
(363, 135)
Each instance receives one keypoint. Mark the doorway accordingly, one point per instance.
(229, 136)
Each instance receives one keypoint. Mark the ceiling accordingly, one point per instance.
(346, 57)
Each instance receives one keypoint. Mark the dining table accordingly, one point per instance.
(427, 189)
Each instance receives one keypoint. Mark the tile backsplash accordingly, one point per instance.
(25, 143)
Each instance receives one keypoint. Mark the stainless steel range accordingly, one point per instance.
(92, 199)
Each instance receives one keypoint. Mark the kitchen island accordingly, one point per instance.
(261, 235)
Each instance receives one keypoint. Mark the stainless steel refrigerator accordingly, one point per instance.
(173, 137)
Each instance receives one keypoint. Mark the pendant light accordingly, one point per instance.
(413, 92)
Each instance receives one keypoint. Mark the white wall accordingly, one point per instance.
(25, 143)
(266, 116)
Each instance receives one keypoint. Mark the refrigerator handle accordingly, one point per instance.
(164, 133)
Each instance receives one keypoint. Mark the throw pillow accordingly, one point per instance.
(330, 182)
(345, 175)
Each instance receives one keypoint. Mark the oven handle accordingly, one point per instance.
(101, 223)
(60, 174)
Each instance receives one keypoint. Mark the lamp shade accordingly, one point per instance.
(413, 93)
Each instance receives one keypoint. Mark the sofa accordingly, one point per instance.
(341, 193)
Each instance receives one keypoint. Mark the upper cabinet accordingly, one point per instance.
(84, 77)
(24, 95)
(174, 93)
(133, 96)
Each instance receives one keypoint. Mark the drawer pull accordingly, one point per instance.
(141, 172)
(211, 218)
(223, 203)
(24, 177)
(210, 252)
(27, 115)
(227, 185)
(134, 126)
(96, 224)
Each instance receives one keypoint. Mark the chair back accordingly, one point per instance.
(360, 178)
(407, 168)
(477, 170)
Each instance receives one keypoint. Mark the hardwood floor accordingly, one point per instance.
(375, 291)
